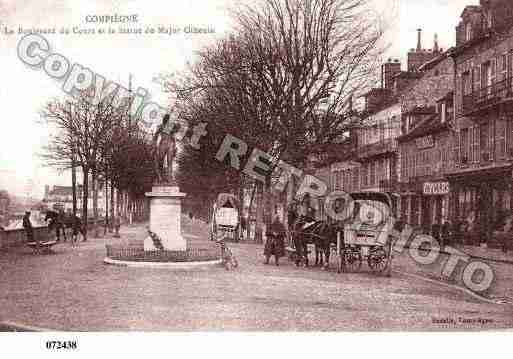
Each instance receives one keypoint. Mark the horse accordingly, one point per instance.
(61, 222)
(319, 233)
(57, 223)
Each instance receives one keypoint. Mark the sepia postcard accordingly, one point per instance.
(223, 166)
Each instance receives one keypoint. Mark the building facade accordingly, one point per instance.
(481, 182)
(61, 198)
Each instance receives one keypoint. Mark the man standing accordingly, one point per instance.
(275, 245)
(29, 231)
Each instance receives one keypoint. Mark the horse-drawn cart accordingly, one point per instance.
(367, 235)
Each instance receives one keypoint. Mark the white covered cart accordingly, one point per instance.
(224, 222)
(368, 234)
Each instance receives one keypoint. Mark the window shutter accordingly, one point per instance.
(477, 78)
(470, 144)
(509, 135)
(356, 179)
(493, 71)
(491, 140)
(477, 143)
(501, 146)
(457, 147)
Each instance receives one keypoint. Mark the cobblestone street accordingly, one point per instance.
(74, 290)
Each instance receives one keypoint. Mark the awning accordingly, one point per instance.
(496, 172)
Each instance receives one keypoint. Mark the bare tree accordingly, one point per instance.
(283, 81)
(80, 128)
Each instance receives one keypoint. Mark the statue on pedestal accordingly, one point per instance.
(165, 150)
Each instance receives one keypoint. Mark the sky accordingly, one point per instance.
(24, 91)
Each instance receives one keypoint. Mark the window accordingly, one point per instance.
(373, 173)
(486, 75)
(501, 143)
(476, 75)
(464, 144)
(468, 32)
(510, 68)
(493, 72)
(466, 83)
(504, 67)
(483, 141)
(509, 135)
(364, 173)
(356, 178)
(475, 137)
(489, 19)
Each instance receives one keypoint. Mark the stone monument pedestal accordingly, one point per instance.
(165, 217)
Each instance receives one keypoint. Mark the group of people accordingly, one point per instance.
(56, 222)
(277, 232)
(460, 231)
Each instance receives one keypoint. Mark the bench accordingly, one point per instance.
(44, 247)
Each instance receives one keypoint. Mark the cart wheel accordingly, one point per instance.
(351, 260)
(377, 259)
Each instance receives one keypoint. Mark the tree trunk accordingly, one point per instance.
(85, 200)
(95, 203)
(112, 208)
(119, 204)
(106, 191)
(288, 202)
(269, 208)
(248, 220)
(241, 203)
(74, 184)
(259, 213)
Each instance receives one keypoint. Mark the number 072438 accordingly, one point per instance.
(58, 345)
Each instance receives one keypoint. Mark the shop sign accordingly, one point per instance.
(435, 188)
(425, 142)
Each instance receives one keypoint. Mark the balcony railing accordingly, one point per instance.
(377, 148)
(488, 96)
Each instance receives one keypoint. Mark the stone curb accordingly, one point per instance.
(17, 327)
(171, 265)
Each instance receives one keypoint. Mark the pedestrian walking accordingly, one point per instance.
(275, 243)
(76, 229)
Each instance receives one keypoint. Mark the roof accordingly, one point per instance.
(427, 126)
(228, 200)
(375, 90)
(421, 110)
(63, 190)
(408, 74)
(428, 65)
(473, 8)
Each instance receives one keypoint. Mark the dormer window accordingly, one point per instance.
(489, 19)
(443, 111)
(468, 32)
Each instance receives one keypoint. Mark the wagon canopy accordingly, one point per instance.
(227, 200)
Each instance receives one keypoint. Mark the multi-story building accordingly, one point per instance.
(481, 182)
(425, 148)
(425, 158)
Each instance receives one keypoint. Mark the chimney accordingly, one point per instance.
(47, 190)
(388, 71)
(435, 46)
(419, 39)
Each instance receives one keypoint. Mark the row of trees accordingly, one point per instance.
(281, 82)
(108, 146)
